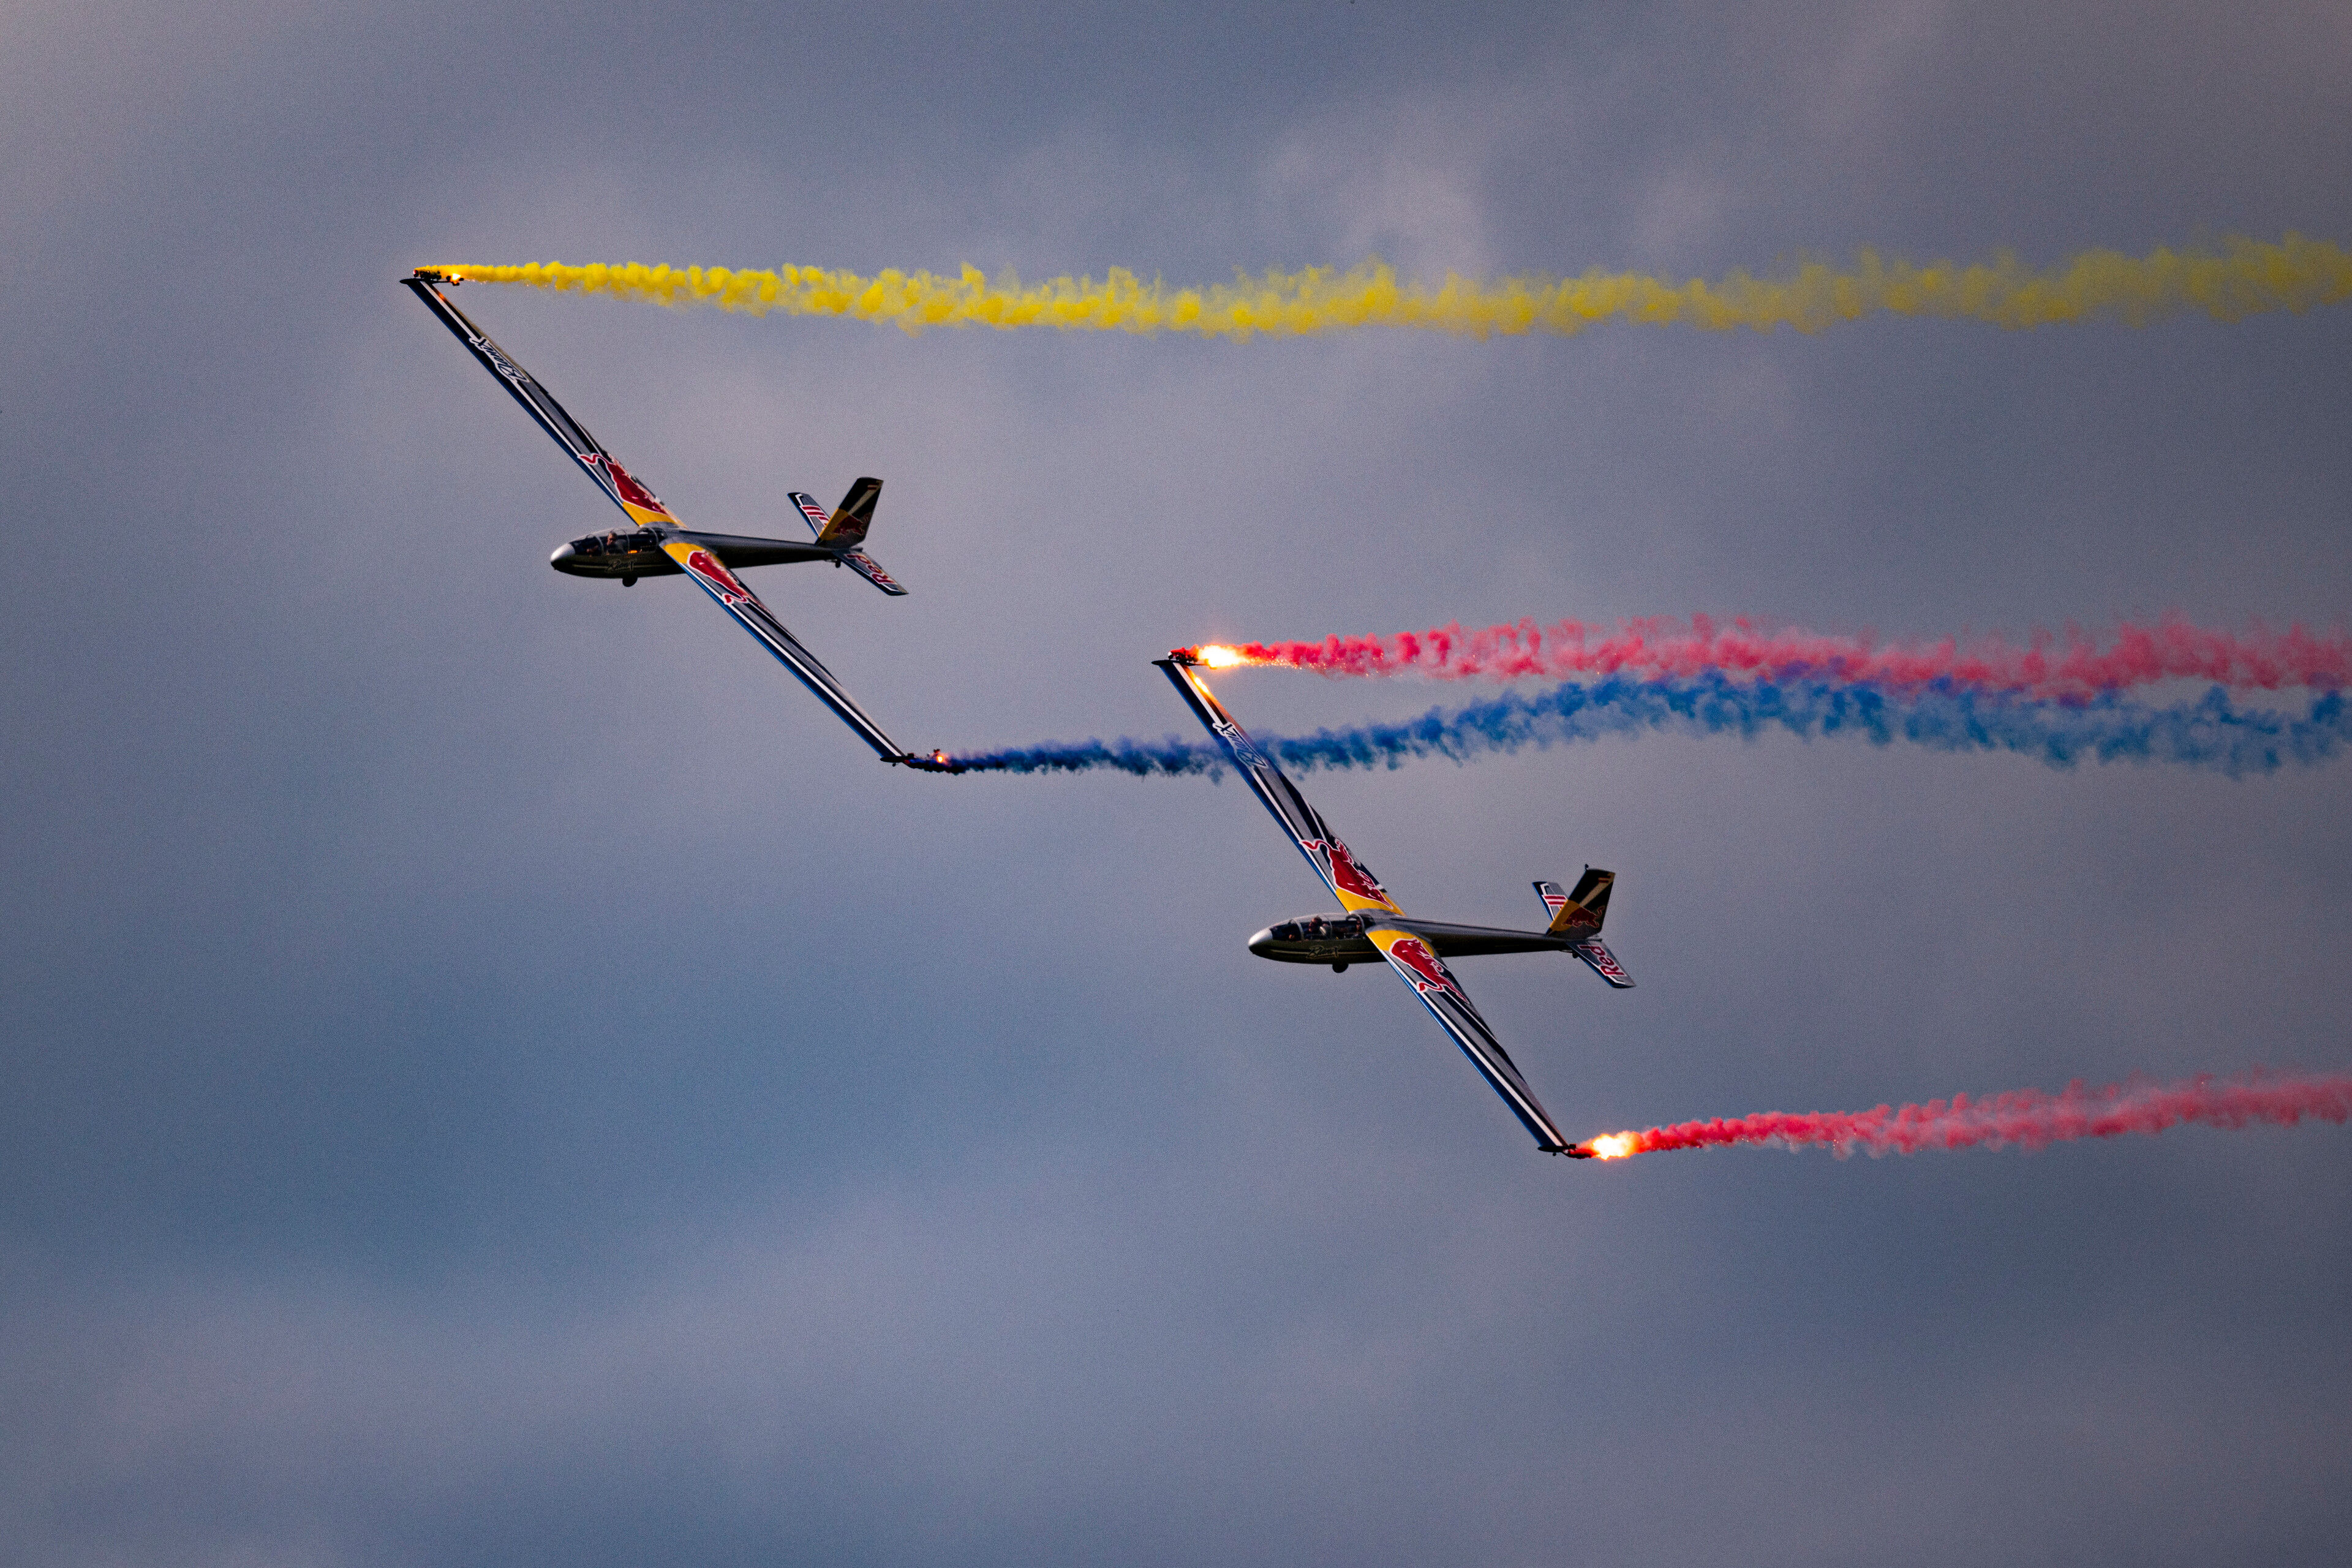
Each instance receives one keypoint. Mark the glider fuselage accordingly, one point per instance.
(1339, 940)
(630, 553)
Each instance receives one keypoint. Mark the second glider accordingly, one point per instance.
(1374, 927)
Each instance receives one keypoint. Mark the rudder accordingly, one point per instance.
(1579, 913)
(851, 520)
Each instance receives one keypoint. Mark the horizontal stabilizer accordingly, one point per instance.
(865, 566)
(1604, 963)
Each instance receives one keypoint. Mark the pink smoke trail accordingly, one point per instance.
(2072, 664)
(2025, 1116)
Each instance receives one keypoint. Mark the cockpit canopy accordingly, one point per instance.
(627, 554)
(644, 540)
(631, 553)
(1317, 928)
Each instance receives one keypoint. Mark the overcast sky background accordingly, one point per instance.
(496, 1075)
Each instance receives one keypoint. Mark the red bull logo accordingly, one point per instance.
(1351, 878)
(1598, 956)
(709, 567)
(627, 487)
(1428, 974)
(867, 563)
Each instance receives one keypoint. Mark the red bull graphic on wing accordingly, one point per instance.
(631, 492)
(1347, 876)
(1428, 974)
(497, 356)
(709, 567)
(1245, 750)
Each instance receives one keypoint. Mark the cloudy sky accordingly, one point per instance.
(495, 1075)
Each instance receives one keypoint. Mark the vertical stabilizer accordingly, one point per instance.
(1579, 913)
(853, 519)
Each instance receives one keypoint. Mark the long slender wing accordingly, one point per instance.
(1447, 1003)
(1350, 882)
(630, 495)
(728, 591)
(695, 558)
(1356, 888)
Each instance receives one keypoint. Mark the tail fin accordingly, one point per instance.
(1579, 913)
(846, 528)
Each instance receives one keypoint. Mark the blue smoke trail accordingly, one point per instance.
(2211, 734)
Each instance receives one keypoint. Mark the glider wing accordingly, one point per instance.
(1415, 962)
(728, 591)
(1420, 967)
(630, 495)
(1355, 887)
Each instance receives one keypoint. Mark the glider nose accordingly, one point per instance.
(1263, 943)
(565, 560)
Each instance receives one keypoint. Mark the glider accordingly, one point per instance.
(1374, 927)
(656, 546)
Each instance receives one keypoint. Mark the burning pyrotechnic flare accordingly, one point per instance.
(2242, 277)
(2024, 1116)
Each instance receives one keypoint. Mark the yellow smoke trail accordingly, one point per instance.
(2244, 278)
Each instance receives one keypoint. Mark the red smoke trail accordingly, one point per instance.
(2025, 1116)
(2049, 665)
